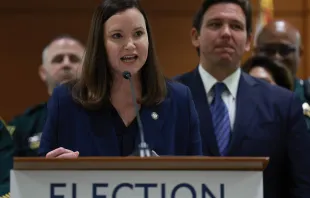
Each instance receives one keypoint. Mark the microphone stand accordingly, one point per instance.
(143, 147)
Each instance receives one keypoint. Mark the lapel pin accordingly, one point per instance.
(154, 115)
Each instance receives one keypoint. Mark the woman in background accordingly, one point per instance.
(273, 72)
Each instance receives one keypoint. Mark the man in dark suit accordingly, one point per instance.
(241, 115)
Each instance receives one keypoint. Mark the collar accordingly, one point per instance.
(231, 82)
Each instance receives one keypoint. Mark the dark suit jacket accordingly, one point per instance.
(69, 125)
(269, 122)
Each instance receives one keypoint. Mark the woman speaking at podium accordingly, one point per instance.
(99, 115)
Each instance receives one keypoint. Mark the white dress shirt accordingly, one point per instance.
(228, 96)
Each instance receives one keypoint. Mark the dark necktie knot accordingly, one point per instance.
(218, 88)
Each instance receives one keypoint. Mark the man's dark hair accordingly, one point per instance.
(244, 4)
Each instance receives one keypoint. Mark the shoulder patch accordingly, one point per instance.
(306, 109)
(10, 129)
(5, 196)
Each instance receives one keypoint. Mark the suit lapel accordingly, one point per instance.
(245, 109)
(205, 117)
(153, 119)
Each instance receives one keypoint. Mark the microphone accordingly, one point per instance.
(143, 147)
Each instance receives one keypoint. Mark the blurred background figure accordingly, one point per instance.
(281, 41)
(61, 62)
(6, 158)
(275, 73)
(271, 71)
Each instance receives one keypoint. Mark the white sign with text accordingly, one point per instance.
(136, 184)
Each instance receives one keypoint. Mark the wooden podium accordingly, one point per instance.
(134, 177)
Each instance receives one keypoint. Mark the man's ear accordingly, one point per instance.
(195, 37)
(248, 43)
(42, 73)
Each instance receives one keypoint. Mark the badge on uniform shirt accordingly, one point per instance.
(5, 196)
(34, 141)
(306, 109)
(10, 129)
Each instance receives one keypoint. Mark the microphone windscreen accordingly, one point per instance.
(126, 74)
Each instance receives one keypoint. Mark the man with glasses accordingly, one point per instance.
(281, 41)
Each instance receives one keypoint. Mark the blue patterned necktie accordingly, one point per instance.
(220, 118)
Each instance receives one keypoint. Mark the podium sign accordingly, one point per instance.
(145, 178)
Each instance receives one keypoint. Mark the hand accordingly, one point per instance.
(62, 153)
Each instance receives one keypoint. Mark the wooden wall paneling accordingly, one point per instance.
(29, 25)
(31, 5)
(288, 5)
(24, 37)
(173, 43)
(282, 5)
(171, 5)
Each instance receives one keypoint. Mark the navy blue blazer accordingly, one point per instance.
(269, 122)
(69, 125)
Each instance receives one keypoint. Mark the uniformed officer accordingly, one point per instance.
(281, 41)
(61, 62)
(6, 159)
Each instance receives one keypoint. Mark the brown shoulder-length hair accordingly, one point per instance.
(92, 90)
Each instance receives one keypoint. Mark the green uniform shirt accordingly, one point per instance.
(28, 130)
(299, 90)
(6, 158)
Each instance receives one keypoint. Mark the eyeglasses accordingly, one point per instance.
(282, 49)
